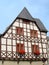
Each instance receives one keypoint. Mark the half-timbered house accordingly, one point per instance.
(25, 40)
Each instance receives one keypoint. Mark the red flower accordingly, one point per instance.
(22, 52)
(37, 52)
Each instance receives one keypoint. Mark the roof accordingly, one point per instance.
(24, 14)
(40, 25)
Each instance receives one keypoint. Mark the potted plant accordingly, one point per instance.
(21, 53)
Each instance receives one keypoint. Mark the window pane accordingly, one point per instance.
(19, 31)
(3, 47)
(9, 48)
(8, 41)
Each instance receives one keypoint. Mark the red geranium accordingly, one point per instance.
(22, 52)
(37, 52)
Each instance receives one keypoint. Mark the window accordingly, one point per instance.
(33, 33)
(35, 49)
(19, 31)
(20, 48)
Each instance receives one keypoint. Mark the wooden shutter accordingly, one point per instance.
(33, 33)
(22, 47)
(35, 49)
(19, 31)
(19, 48)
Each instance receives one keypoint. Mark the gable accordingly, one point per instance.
(12, 37)
(24, 14)
(21, 24)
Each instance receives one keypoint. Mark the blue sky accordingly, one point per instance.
(9, 9)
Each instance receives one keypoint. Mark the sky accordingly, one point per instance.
(9, 9)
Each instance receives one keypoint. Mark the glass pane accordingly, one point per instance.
(8, 41)
(9, 48)
(3, 47)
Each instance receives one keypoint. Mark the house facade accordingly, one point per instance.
(24, 41)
